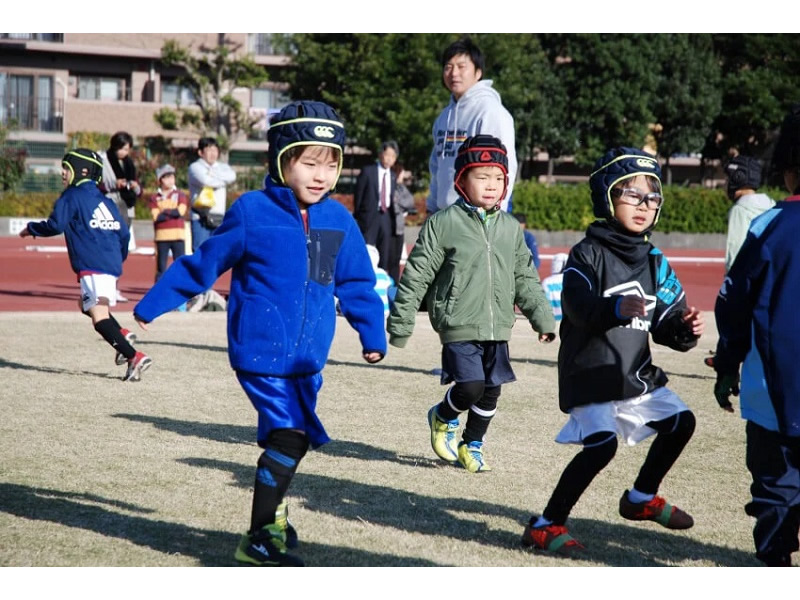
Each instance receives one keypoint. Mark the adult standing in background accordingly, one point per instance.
(208, 181)
(372, 203)
(474, 108)
(402, 202)
(120, 184)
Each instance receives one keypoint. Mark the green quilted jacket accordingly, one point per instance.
(471, 273)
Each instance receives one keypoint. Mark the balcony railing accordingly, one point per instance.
(33, 37)
(32, 114)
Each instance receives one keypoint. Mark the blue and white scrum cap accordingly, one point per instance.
(83, 165)
(615, 166)
(303, 123)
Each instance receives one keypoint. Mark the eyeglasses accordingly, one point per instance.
(635, 197)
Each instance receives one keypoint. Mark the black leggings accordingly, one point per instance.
(598, 450)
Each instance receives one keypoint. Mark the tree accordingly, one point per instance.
(688, 95)
(211, 75)
(760, 81)
(384, 86)
(12, 160)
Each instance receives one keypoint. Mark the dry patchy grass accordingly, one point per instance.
(159, 473)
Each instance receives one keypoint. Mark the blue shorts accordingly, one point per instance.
(476, 361)
(285, 403)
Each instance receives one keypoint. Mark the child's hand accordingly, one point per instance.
(372, 357)
(632, 306)
(141, 323)
(24, 232)
(694, 319)
(546, 338)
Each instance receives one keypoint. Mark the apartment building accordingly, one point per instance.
(52, 84)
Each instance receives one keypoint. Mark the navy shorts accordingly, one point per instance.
(476, 361)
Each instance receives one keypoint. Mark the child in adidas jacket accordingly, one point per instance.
(97, 243)
(618, 291)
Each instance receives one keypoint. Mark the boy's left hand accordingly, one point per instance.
(372, 357)
(694, 319)
(546, 338)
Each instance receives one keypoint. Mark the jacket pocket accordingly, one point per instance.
(323, 248)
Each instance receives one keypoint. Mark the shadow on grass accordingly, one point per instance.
(398, 368)
(8, 364)
(184, 345)
(240, 434)
(210, 548)
(612, 544)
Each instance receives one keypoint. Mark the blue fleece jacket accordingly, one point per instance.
(281, 313)
(96, 235)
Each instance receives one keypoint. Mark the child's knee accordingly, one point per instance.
(599, 448)
(464, 394)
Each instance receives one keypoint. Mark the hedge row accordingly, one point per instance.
(553, 208)
(569, 207)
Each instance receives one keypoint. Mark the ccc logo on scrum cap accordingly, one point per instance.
(645, 162)
(324, 131)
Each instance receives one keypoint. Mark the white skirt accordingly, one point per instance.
(627, 418)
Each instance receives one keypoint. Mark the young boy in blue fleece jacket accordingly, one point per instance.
(291, 248)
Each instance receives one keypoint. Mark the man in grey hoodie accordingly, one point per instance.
(744, 178)
(474, 108)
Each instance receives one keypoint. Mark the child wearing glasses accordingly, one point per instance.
(618, 290)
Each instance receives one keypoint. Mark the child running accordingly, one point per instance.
(472, 265)
(97, 242)
(290, 248)
(618, 289)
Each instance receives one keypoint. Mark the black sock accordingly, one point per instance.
(112, 334)
(276, 468)
(480, 415)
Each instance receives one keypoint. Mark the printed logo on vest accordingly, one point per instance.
(103, 219)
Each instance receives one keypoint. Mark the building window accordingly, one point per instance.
(101, 88)
(260, 44)
(263, 104)
(37, 37)
(173, 93)
(27, 102)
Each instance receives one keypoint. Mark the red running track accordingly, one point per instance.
(43, 280)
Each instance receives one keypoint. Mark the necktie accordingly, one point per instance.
(383, 194)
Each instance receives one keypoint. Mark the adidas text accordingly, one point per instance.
(97, 224)
(637, 323)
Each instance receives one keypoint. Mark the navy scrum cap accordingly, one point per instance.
(744, 172)
(303, 123)
(83, 165)
(481, 151)
(615, 166)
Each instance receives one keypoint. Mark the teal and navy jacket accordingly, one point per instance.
(756, 313)
(281, 312)
(96, 235)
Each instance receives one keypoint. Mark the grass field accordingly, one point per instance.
(159, 473)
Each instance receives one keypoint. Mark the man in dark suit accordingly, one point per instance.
(372, 205)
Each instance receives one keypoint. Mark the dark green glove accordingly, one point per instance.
(727, 384)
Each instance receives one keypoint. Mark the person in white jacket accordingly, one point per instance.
(208, 178)
(474, 108)
(744, 178)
